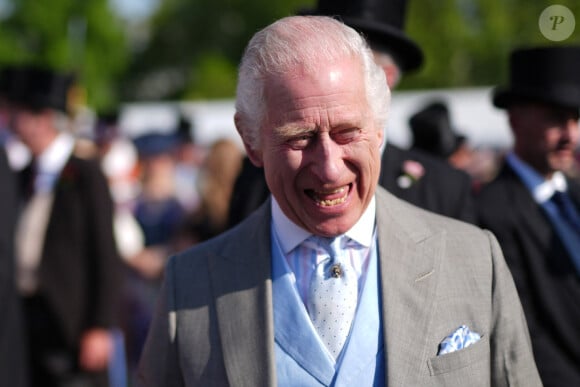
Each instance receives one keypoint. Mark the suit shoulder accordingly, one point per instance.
(241, 241)
(419, 217)
(451, 225)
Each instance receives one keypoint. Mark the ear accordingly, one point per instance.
(393, 75)
(255, 155)
(382, 137)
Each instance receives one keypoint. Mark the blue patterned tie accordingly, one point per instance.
(332, 297)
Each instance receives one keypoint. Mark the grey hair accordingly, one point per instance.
(301, 41)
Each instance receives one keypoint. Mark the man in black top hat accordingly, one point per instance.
(67, 260)
(533, 208)
(411, 175)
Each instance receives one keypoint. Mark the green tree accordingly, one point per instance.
(84, 37)
(467, 42)
(195, 47)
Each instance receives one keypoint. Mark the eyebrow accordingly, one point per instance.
(292, 130)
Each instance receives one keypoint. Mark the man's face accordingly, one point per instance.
(33, 128)
(320, 146)
(545, 136)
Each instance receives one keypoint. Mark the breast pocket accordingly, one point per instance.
(464, 358)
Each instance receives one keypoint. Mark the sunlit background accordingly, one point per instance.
(128, 52)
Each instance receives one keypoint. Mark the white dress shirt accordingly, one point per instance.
(302, 264)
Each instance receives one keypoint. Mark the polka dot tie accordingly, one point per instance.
(332, 296)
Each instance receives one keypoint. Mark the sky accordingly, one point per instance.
(128, 9)
(135, 9)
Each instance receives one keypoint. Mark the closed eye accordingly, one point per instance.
(344, 136)
(302, 141)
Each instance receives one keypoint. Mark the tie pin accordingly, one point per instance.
(336, 270)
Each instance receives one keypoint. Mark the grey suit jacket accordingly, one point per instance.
(214, 326)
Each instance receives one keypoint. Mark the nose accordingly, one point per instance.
(326, 161)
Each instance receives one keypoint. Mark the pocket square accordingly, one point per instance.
(463, 337)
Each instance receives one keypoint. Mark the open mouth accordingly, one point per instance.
(331, 197)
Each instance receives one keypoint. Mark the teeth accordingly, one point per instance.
(328, 203)
(338, 190)
(331, 202)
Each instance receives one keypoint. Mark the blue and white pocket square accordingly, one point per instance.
(463, 337)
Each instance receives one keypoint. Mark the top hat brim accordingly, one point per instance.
(547, 74)
(381, 36)
(504, 97)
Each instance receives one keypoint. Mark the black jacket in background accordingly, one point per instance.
(547, 282)
(13, 370)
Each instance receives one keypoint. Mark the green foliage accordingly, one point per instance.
(192, 47)
(83, 37)
(467, 42)
(213, 77)
(189, 37)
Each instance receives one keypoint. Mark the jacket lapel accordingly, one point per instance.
(243, 288)
(410, 254)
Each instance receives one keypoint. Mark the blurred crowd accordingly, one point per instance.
(126, 203)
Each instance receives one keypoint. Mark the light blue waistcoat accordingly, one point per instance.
(301, 359)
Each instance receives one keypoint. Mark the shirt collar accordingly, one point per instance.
(291, 235)
(53, 158)
(540, 188)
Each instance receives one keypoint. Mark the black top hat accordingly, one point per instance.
(432, 130)
(542, 74)
(38, 88)
(380, 21)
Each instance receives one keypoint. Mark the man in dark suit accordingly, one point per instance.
(522, 206)
(67, 261)
(13, 371)
(411, 175)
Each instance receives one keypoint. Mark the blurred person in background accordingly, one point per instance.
(159, 215)
(413, 176)
(5, 75)
(216, 183)
(534, 209)
(13, 362)
(574, 171)
(434, 133)
(17, 153)
(119, 162)
(68, 267)
(189, 157)
(119, 158)
(157, 209)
